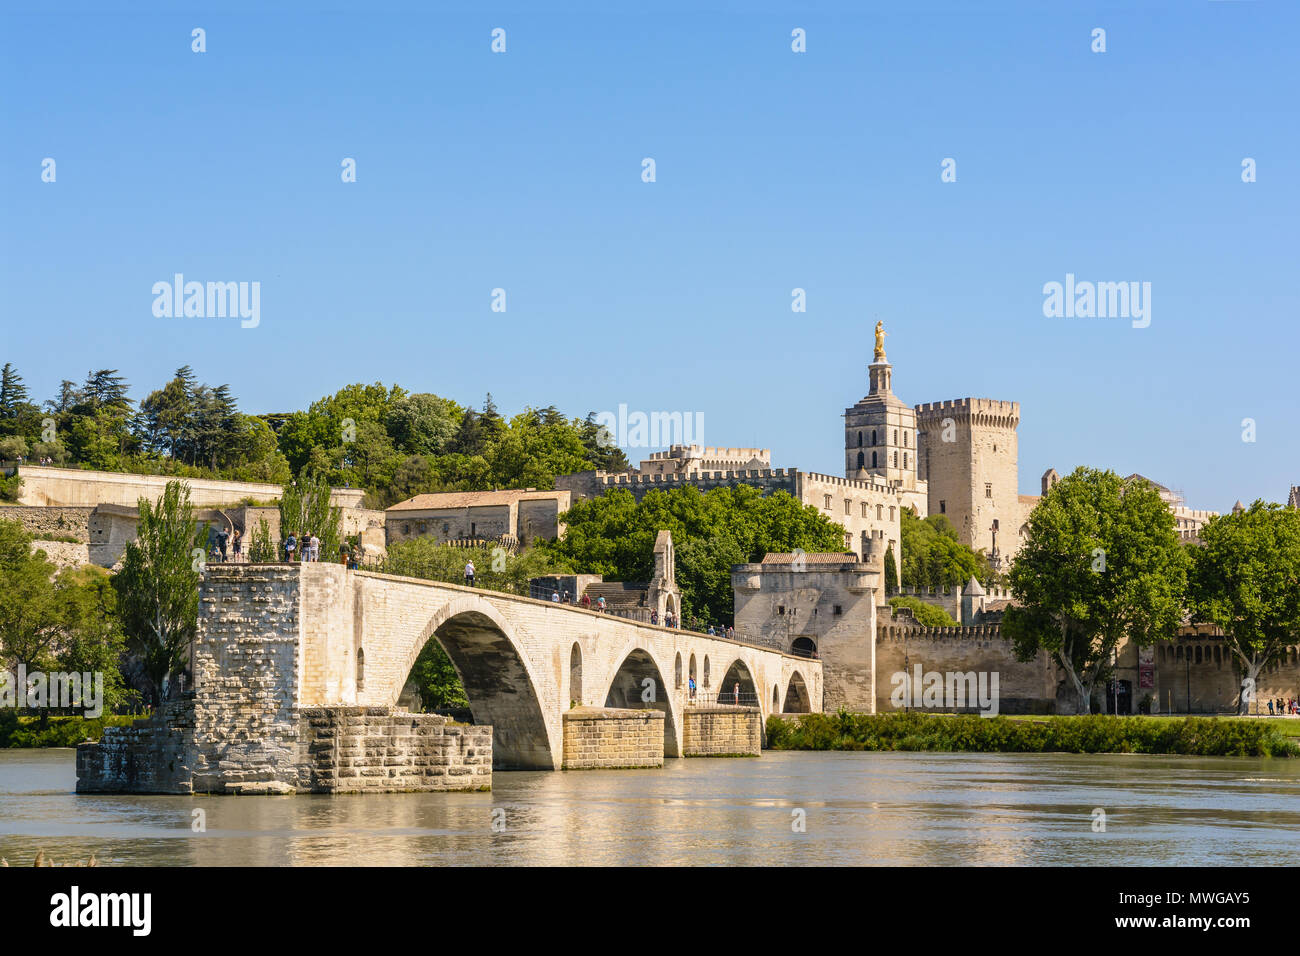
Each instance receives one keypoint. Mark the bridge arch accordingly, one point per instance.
(498, 680)
(627, 689)
(797, 698)
(738, 673)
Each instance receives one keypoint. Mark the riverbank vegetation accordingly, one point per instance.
(1097, 733)
(45, 731)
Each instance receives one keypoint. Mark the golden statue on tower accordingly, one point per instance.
(880, 341)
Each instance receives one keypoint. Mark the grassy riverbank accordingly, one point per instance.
(1098, 733)
(26, 731)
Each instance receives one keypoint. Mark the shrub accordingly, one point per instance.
(1096, 733)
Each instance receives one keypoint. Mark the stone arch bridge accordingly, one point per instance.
(294, 637)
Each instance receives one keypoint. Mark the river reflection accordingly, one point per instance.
(859, 808)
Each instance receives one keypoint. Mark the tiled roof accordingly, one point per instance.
(821, 557)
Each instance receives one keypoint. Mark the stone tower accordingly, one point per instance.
(969, 456)
(880, 431)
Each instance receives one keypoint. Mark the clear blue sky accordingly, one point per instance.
(775, 170)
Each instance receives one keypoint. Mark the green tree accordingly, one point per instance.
(927, 615)
(93, 641)
(305, 509)
(1246, 579)
(1102, 561)
(440, 685)
(56, 622)
(614, 535)
(32, 612)
(933, 556)
(158, 586)
(891, 571)
(261, 547)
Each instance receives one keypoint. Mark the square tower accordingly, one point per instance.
(969, 459)
(880, 433)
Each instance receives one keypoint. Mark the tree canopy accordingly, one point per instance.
(1102, 561)
(614, 535)
(1246, 579)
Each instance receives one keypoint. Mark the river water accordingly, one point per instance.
(855, 808)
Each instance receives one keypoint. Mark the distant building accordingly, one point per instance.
(515, 517)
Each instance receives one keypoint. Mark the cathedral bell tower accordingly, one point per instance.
(880, 430)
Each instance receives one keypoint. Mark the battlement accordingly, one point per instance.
(860, 484)
(991, 593)
(619, 479)
(915, 632)
(994, 410)
(696, 451)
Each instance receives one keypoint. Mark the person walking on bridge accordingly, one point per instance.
(469, 573)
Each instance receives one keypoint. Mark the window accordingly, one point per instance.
(905, 441)
(988, 489)
(943, 507)
(891, 512)
(880, 512)
(866, 510)
(895, 436)
(895, 459)
(904, 459)
(838, 609)
(862, 460)
(827, 502)
(848, 541)
(848, 506)
(780, 609)
(873, 438)
(859, 439)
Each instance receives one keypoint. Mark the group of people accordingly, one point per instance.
(308, 549)
(1284, 707)
(226, 539)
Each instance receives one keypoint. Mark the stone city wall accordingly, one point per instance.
(1023, 688)
(51, 523)
(46, 486)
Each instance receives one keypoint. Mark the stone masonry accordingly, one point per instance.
(723, 732)
(610, 738)
(381, 749)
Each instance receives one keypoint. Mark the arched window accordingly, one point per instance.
(895, 436)
(677, 670)
(904, 459)
(895, 459)
(873, 459)
(706, 670)
(905, 440)
(776, 700)
(880, 512)
(361, 669)
(862, 459)
(859, 439)
(873, 438)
